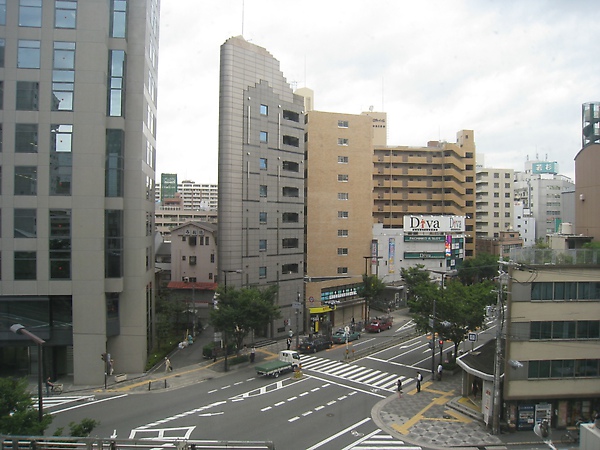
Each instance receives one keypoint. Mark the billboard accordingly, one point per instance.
(434, 224)
(545, 167)
(168, 185)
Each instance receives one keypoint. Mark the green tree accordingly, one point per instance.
(241, 311)
(483, 267)
(413, 277)
(169, 316)
(370, 290)
(18, 416)
(81, 429)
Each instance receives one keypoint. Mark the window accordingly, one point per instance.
(263, 190)
(25, 223)
(342, 196)
(61, 159)
(290, 166)
(342, 159)
(25, 266)
(496, 185)
(291, 115)
(289, 268)
(65, 13)
(264, 137)
(507, 185)
(289, 243)
(507, 205)
(496, 195)
(291, 140)
(262, 217)
(25, 180)
(28, 56)
(342, 214)
(496, 175)
(63, 76)
(192, 260)
(289, 191)
(113, 247)
(342, 233)
(342, 270)
(26, 138)
(342, 124)
(30, 13)
(342, 141)
(60, 244)
(507, 195)
(343, 178)
(342, 251)
(263, 163)
(262, 272)
(2, 12)
(116, 92)
(27, 95)
(118, 24)
(2, 47)
(264, 110)
(262, 245)
(290, 217)
(114, 169)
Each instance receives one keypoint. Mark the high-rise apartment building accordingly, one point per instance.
(196, 196)
(494, 202)
(79, 106)
(261, 177)
(438, 179)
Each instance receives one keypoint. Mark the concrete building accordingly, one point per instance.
(540, 188)
(494, 201)
(552, 364)
(587, 162)
(194, 196)
(501, 245)
(77, 234)
(435, 180)
(261, 176)
(524, 223)
(338, 224)
(168, 217)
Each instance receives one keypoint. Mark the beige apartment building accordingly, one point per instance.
(438, 179)
(494, 202)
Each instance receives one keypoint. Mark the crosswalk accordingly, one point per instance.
(378, 440)
(374, 379)
(58, 400)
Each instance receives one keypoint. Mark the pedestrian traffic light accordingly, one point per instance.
(441, 342)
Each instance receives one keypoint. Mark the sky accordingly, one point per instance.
(516, 72)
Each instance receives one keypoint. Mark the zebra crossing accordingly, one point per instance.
(372, 378)
(378, 440)
(58, 400)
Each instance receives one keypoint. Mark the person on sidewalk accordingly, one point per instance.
(399, 388)
(289, 342)
(419, 379)
(168, 366)
(252, 354)
(49, 386)
(440, 369)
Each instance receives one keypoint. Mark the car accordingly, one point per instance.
(315, 344)
(339, 337)
(379, 324)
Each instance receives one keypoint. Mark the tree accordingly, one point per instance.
(370, 290)
(81, 429)
(18, 417)
(483, 267)
(241, 311)
(414, 276)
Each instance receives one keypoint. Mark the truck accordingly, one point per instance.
(287, 360)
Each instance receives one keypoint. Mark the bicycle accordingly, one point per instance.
(56, 388)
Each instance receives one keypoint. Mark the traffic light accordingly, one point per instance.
(441, 343)
(103, 356)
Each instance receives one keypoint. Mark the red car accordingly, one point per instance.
(379, 324)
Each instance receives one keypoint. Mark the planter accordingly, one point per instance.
(120, 377)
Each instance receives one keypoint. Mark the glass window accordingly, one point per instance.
(25, 180)
(342, 196)
(343, 178)
(28, 56)
(342, 233)
(114, 170)
(290, 217)
(563, 330)
(118, 25)
(342, 270)
(25, 223)
(2, 12)
(289, 243)
(116, 97)
(342, 251)
(343, 159)
(262, 245)
(263, 190)
(264, 110)
(2, 49)
(263, 163)
(342, 141)
(288, 191)
(291, 140)
(30, 13)
(262, 272)
(63, 76)
(113, 248)
(291, 115)
(289, 268)
(342, 124)
(26, 138)
(262, 217)
(264, 137)
(1, 94)
(25, 266)
(535, 330)
(60, 244)
(290, 166)
(61, 159)
(65, 13)
(342, 214)
(27, 95)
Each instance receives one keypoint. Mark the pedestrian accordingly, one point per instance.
(289, 342)
(252, 354)
(419, 379)
(111, 366)
(475, 388)
(440, 369)
(49, 386)
(168, 366)
(399, 388)
(214, 354)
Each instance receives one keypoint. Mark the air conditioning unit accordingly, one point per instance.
(186, 279)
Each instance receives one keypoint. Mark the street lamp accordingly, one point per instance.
(20, 329)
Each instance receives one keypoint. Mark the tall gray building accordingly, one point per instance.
(78, 150)
(261, 177)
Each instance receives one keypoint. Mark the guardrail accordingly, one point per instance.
(64, 443)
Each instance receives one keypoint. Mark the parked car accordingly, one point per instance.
(379, 324)
(339, 337)
(314, 345)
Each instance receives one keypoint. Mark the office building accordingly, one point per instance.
(77, 234)
(494, 201)
(261, 177)
(194, 196)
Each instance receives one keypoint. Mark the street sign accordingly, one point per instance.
(296, 305)
(311, 299)
(472, 337)
(347, 329)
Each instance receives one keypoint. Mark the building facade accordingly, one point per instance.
(261, 177)
(77, 234)
(435, 180)
(494, 201)
(195, 196)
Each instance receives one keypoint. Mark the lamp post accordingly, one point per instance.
(225, 272)
(20, 329)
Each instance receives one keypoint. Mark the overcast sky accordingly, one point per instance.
(515, 72)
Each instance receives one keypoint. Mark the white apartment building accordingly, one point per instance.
(494, 202)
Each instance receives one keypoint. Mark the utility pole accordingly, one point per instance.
(496, 409)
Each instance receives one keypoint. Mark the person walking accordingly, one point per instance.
(252, 354)
(289, 342)
(440, 369)
(168, 366)
(49, 386)
(419, 379)
(399, 388)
